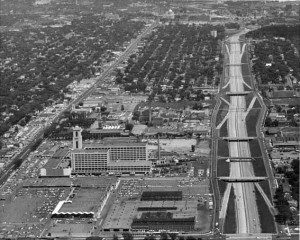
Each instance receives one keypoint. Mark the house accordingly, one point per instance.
(157, 121)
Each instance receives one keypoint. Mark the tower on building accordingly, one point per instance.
(77, 138)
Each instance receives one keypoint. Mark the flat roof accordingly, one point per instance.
(52, 163)
(119, 139)
(113, 144)
(61, 153)
(124, 163)
(122, 213)
(85, 200)
(289, 143)
(106, 130)
(83, 150)
(138, 129)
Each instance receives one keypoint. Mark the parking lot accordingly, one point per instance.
(31, 206)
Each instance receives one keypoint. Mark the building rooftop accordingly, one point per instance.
(121, 215)
(124, 163)
(85, 200)
(106, 130)
(113, 144)
(138, 129)
(119, 139)
(89, 151)
(55, 160)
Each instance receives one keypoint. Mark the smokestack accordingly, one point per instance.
(158, 147)
(150, 115)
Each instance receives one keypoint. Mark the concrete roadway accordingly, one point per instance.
(246, 210)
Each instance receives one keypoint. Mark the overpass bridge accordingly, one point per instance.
(243, 179)
(233, 42)
(238, 159)
(234, 64)
(243, 93)
(237, 139)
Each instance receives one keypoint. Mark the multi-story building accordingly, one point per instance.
(122, 150)
(89, 161)
(117, 157)
(129, 167)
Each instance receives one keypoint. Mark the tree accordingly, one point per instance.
(150, 237)
(103, 108)
(127, 236)
(295, 166)
(268, 122)
(173, 236)
(164, 236)
(115, 237)
(190, 238)
(129, 126)
(136, 116)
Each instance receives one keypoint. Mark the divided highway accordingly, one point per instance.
(246, 211)
(247, 217)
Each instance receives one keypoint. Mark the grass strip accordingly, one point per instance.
(224, 130)
(222, 112)
(222, 187)
(266, 219)
(256, 104)
(251, 122)
(248, 99)
(223, 149)
(255, 148)
(230, 219)
(266, 187)
(223, 168)
(259, 167)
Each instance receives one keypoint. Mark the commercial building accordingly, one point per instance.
(89, 161)
(129, 167)
(117, 157)
(124, 151)
(53, 166)
(162, 221)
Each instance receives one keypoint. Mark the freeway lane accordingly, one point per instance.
(6, 172)
(246, 210)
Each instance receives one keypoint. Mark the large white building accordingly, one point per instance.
(116, 157)
(122, 150)
(89, 161)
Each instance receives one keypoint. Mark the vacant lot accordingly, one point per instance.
(202, 148)
(174, 145)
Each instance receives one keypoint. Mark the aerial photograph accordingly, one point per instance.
(149, 119)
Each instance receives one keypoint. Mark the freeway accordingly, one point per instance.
(247, 217)
(241, 177)
(17, 160)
